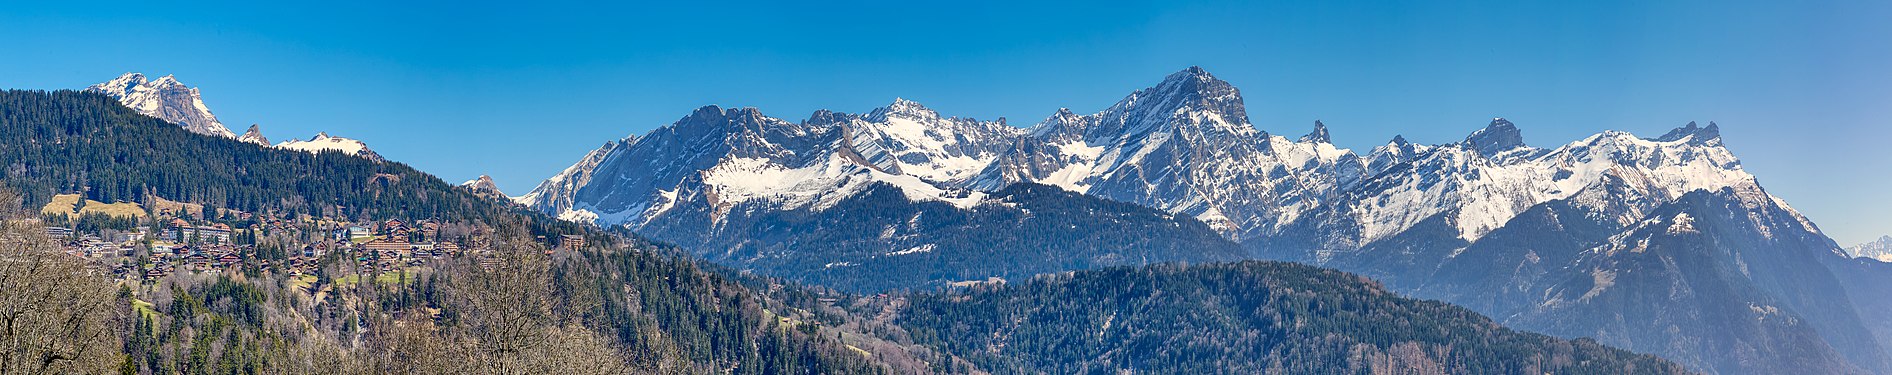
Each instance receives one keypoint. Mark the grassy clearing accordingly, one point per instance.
(302, 282)
(68, 204)
(386, 278)
(126, 209)
(61, 204)
(145, 309)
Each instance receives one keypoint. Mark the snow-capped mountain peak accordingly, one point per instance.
(164, 98)
(908, 138)
(1693, 134)
(324, 142)
(903, 108)
(1319, 135)
(1192, 95)
(484, 186)
(121, 86)
(1880, 249)
(254, 135)
(1498, 137)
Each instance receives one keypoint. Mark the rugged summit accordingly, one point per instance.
(484, 186)
(254, 135)
(164, 98)
(1880, 249)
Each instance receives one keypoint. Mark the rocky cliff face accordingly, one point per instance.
(164, 98)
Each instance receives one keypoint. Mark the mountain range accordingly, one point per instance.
(1880, 249)
(1661, 244)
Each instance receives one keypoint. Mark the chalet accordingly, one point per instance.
(229, 259)
(197, 262)
(59, 232)
(385, 245)
(393, 224)
(430, 229)
(571, 241)
(422, 250)
(216, 233)
(447, 248)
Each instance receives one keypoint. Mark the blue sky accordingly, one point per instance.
(1802, 89)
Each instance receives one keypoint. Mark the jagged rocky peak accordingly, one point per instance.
(1880, 249)
(1693, 134)
(903, 108)
(484, 186)
(727, 119)
(1190, 99)
(1061, 125)
(705, 114)
(164, 98)
(254, 135)
(121, 86)
(827, 117)
(707, 119)
(1064, 114)
(1499, 136)
(1319, 135)
(1398, 140)
(1196, 87)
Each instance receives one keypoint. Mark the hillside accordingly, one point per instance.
(1249, 317)
(74, 142)
(502, 306)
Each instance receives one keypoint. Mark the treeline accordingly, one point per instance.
(1247, 318)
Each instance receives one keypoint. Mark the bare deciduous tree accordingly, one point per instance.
(54, 313)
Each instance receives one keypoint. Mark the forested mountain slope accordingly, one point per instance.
(79, 142)
(620, 303)
(1238, 318)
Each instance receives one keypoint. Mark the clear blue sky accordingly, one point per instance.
(1803, 90)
